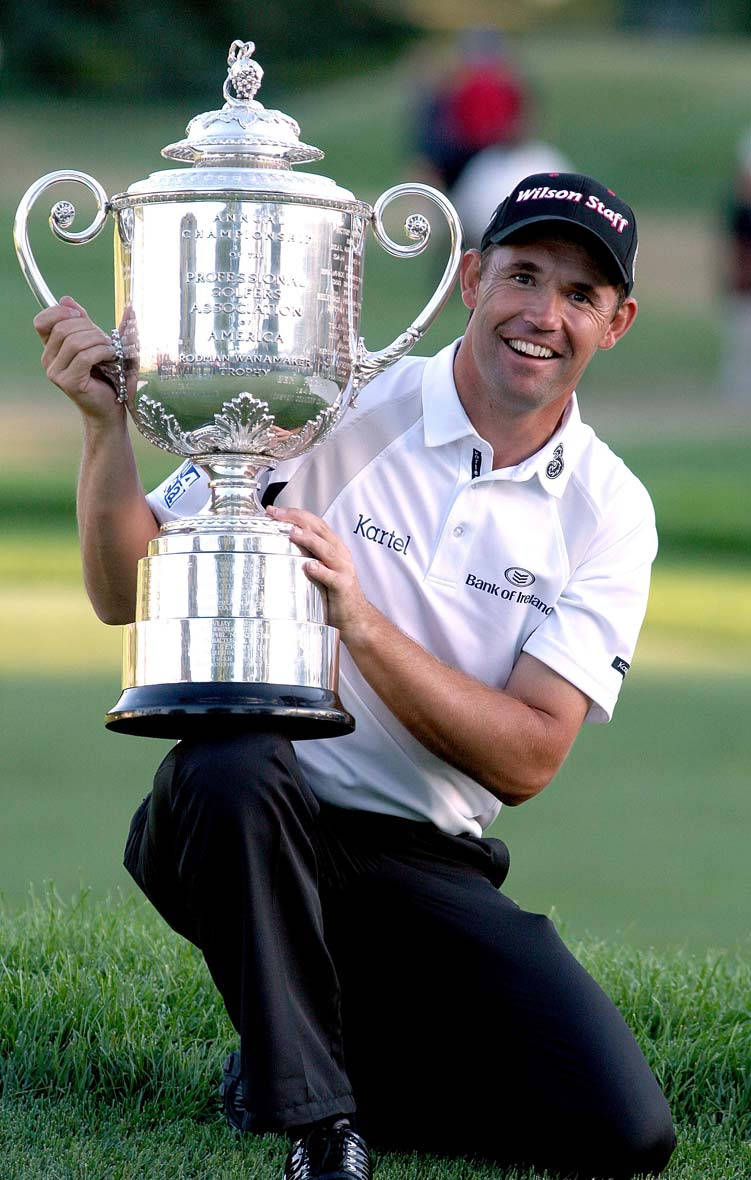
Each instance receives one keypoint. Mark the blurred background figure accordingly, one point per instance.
(477, 102)
(472, 129)
(492, 174)
(735, 376)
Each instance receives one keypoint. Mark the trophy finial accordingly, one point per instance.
(244, 75)
(243, 131)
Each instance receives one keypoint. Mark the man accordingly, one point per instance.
(487, 561)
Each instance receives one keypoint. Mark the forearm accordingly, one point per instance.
(495, 738)
(511, 742)
(114, 519)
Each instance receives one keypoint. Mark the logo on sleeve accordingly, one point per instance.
(620, 665)
(186, 476)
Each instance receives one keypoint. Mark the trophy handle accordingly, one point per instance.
(417, 227)
(61, 216)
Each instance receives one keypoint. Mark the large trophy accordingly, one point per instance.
(237, 294)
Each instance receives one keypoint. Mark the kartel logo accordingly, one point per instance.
(380, 536)
(518, 576)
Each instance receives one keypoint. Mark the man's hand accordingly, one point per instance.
(331, 567)
(72, 346)
(511, 741)
(114, 518)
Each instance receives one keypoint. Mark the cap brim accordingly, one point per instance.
(501, 236)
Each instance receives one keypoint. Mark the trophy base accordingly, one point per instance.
(215, 709)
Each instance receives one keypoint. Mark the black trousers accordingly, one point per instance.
(370, 963)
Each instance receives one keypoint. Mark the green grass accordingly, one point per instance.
(658, 118)
(642, 837)
(700, 488)
(671, 348)
(639, 836)
(112, 1035)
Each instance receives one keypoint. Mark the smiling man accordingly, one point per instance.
(486, 559)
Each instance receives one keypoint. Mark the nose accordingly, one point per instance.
(543, 309)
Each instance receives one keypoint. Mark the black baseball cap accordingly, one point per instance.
(577, 200)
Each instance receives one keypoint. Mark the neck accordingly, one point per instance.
(513, 432)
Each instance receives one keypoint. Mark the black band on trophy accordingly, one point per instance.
(211, 709)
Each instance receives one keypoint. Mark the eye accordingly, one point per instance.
(522, 277)
(580, 297)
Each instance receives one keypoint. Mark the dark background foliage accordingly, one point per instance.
(160, 49)
(164, 48)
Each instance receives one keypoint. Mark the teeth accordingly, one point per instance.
(530, 349)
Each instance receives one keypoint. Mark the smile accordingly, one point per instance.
(525, 348)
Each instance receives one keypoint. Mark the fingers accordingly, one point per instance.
(334, 555)
(331, 566)
(76, 376)
(301, 518)
(46, 320)
(318, 572)
(311, 533)
(73, 347)
(69, 301)
(67, 339)
(66, 309)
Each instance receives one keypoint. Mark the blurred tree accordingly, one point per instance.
(687, 16)
(166, 48)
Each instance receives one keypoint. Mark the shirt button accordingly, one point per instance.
(459, 530)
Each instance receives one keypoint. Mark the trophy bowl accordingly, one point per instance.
(237, 298)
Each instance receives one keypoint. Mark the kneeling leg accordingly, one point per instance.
(227, 853)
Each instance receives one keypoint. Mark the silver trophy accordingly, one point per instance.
(237, 295)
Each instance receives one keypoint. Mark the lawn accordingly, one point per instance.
(112, 1035)
(654, 807)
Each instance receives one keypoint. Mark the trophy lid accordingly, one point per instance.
(243, 131)
(242, 148)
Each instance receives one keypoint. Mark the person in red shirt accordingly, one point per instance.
(479, 103)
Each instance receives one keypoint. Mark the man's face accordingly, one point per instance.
(541, 309)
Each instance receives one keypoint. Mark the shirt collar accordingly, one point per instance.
(444, 417)
(445, 421)
(555, 461)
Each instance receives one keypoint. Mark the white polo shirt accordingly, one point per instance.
(551, 557)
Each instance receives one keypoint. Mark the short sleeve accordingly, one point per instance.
(183, 493)
(590, 636)
(186, 491)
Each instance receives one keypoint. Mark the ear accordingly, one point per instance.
(469, 277)
(620, 324)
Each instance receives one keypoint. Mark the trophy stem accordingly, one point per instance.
(233, 484)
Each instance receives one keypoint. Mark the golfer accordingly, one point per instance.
(486, 559)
